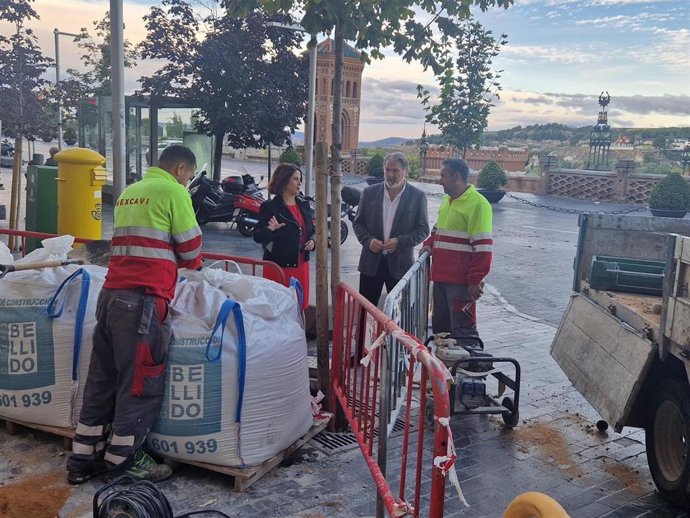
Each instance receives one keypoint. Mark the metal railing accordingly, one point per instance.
(408, 306)
(247, 265)
(359, 391)
(408, 302)
(256, 267)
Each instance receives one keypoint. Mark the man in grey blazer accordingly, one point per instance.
(391, 220)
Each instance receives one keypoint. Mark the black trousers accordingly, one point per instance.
(371, 287)
(126, 382)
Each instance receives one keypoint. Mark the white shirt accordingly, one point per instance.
(390, 207)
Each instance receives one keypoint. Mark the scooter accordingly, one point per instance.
(6, 148)
(212, 203)
(244, 184)
(348, 209)
(249, 206)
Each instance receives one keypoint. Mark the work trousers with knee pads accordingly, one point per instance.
(126, 381)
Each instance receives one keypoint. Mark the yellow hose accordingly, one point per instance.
(534, 505)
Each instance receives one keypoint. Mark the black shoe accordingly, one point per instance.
(143, 468)
(89, 471)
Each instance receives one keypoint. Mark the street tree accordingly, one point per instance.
(417, 30)
(93, 78)
(175, 128)
(95, 57)
(373, 26)
(468, 85)
(242, 76)
(22, 66)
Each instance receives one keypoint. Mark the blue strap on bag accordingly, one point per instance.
(294, 283)
(55, 311)
(231, 306)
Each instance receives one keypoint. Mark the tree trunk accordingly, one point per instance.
(217, 156)
(336, 161)
(322, 345)
(15, 196)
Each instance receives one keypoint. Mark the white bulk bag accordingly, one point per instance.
(237, 378)
(46, 321)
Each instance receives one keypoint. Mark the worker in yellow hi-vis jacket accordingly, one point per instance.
(155, 233)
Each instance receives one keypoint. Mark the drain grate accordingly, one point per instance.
(331, 443)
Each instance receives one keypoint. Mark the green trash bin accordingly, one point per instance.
(41, 202)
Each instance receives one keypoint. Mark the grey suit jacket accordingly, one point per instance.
(410, 226)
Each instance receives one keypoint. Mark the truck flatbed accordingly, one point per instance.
(628, 354)
(641, 312)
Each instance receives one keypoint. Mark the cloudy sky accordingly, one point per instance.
(561, 54)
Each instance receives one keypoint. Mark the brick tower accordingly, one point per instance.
(352, 89)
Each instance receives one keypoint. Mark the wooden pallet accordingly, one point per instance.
(14, 426)
(245, 477)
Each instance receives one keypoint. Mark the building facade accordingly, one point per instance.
(352, 89)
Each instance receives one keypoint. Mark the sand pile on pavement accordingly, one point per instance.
(40, 496)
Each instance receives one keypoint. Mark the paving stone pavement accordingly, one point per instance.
(555, 448)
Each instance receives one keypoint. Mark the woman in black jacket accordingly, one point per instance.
(286, 228)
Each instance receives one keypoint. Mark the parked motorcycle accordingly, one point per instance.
(6, 148)
(212, 203)
(244, 184)
(348, 209)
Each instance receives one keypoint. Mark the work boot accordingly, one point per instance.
(145, 468)
(87, 472)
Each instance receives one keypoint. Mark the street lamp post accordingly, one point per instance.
(423, 149)
(57, 34)
(311, 106)
(117, 81)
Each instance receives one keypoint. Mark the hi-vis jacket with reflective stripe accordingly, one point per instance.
(155, 233)
(461, 242)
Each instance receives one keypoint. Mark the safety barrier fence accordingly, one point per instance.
(423, 462)
(408, 306)
(246, 265)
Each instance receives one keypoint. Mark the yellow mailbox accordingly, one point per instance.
(80, 179)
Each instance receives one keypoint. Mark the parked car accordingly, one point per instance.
(161, 146)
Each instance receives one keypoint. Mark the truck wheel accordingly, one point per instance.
(667, 438)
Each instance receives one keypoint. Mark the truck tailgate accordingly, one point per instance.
(605, 359)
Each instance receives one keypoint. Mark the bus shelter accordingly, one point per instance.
(146, 123)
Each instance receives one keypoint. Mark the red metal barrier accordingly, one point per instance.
(23, 235)
(253, 264)
(358, 392)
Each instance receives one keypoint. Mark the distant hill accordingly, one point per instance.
(386, 142)
(553, 132)
(563, 133)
